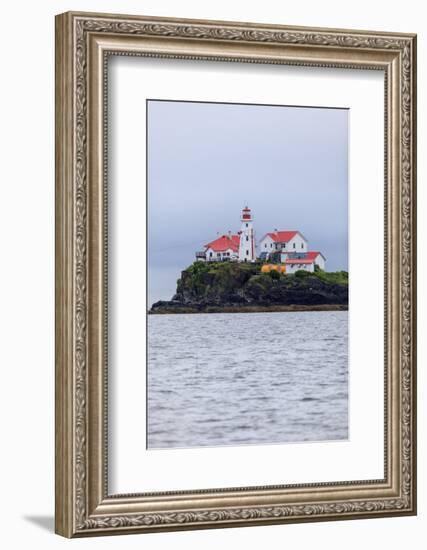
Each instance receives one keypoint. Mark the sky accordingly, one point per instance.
(206, 161)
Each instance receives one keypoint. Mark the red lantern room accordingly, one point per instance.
(246, 214)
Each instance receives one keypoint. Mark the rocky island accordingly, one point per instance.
(232, 287)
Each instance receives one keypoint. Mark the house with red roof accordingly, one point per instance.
(286, 241)
(225, 247)
(291, 248)
(306, 261)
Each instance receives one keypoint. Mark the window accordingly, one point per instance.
(247, 252)
(302, 245)
(219, 254)
(210, 254)
(294, 245)
(265, 245)
(247, 238)
(284, 245)
(271, 245)
(246, 225)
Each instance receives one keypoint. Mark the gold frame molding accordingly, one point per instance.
(83, 43)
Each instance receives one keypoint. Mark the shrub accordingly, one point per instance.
(274, 274)
(302, 274)
(335, 277)
(197, 268)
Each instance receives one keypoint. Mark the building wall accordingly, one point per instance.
(217, 256)
(320, 261)
(292, 268)
(301, 245)
(210, 255)
(266, 245)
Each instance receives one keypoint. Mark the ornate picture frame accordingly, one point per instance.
(84, 42)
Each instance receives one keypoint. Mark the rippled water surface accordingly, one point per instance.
(235, 379)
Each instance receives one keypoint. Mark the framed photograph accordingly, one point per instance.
(235, 274)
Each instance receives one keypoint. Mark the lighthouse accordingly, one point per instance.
(247, 240)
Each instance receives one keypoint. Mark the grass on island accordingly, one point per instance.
(334, 277)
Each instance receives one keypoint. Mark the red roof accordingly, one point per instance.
(313, 255)
(225, 242)
(282, 236)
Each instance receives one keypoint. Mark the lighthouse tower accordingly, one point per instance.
(247, 240)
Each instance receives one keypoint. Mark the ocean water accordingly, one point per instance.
(247, 378)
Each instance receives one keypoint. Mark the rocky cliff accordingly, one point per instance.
(234, 287)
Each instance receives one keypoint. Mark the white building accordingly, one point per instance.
(223, 248)
(293, 249)
(247, 240)
(306, 261)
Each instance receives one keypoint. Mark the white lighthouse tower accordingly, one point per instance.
(247, 240)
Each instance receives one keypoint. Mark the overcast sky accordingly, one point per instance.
(208, 160)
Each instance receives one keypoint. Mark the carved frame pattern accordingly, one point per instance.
(75, 513)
